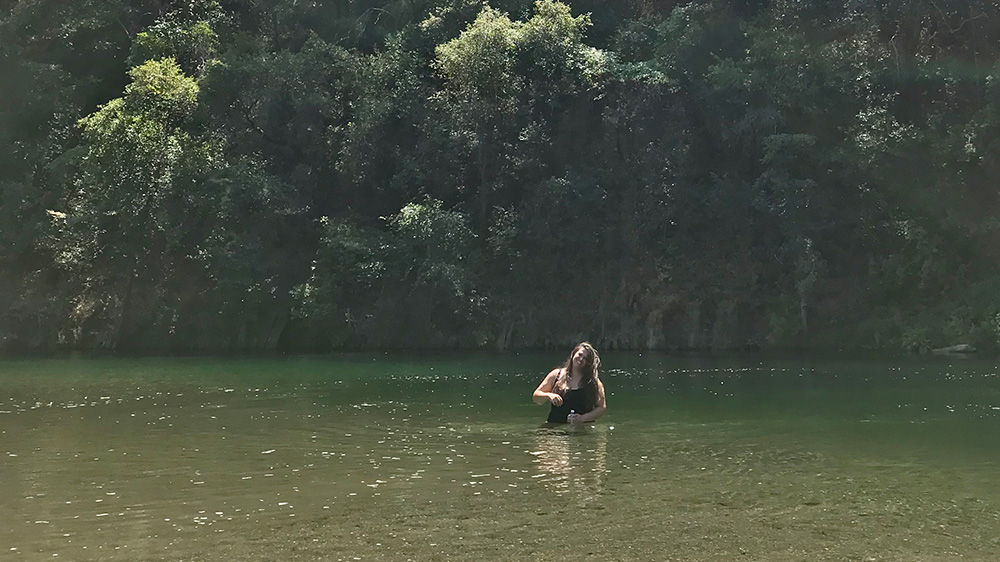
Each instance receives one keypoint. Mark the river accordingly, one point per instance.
(444, 457)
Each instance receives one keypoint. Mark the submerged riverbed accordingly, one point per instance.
(380, 457)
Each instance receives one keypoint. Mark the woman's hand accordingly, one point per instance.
(575, 419)
(555, 399)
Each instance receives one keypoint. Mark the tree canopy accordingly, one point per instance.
(213, 175)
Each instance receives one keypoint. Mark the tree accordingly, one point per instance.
(413, 284)
(124, 222)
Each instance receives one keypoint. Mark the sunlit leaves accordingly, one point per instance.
(132, 145)
(494, 58)
(480, 63)
(160, 91)
(130, 198)
(191, 43)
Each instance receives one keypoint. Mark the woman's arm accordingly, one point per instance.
(600, 406)
(544, 392)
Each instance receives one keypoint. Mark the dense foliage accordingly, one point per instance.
(222, 175)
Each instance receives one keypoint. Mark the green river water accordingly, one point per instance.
(382, 457)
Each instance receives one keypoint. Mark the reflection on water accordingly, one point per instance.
(379, 459)
(572, 461)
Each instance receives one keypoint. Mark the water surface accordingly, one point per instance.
(379, 457)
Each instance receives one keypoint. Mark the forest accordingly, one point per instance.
(222, 176)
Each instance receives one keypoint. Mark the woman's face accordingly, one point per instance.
(580, 356)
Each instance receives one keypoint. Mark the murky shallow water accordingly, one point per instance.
(381, 458)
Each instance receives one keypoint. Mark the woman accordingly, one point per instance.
(574, 387)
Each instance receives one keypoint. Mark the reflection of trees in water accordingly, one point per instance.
(572, 460)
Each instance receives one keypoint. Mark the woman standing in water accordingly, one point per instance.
(574, 387)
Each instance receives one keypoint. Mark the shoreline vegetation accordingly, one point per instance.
(213, 176)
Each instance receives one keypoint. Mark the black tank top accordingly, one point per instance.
(575, 399)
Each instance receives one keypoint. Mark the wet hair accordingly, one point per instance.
(589, 380)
